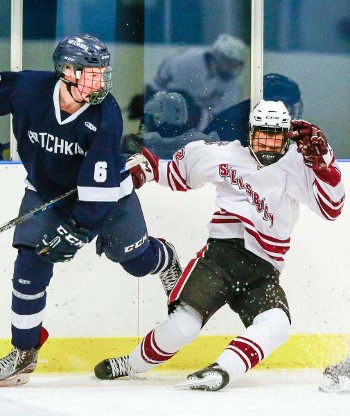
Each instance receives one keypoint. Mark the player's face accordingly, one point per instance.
(268, 141)
(228, 69)
(91, 80)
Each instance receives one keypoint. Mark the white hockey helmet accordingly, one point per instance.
(229, 47)
(271, 117)
(167, 107)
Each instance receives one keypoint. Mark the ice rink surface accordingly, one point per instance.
(258, 393)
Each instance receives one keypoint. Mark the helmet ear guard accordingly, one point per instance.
(271, 117)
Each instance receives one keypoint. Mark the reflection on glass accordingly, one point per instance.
(318, 60)
(5, 64)
(199, 52)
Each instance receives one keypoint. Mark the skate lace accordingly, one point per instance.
(121, 367)
(170, 276)
(10, 361)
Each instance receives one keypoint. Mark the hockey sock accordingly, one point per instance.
(270, 329)
(154, 259)
(161, 344)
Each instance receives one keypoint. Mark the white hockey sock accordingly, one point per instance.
(269, 330)
(179, 329)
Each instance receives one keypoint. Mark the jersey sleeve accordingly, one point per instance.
(100, 184)
(325, 192)
(191, 167)
(7, 82)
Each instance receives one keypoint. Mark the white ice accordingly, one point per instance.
(258, 393)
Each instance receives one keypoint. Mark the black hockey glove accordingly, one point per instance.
(62, 243)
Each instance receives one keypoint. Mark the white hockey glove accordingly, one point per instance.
(145, 171)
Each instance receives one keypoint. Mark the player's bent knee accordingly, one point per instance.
(275, 323)
(31, 273)
(188, 322)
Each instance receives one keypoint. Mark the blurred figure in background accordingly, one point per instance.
(210, 75)
(232, 123)
(166, 126)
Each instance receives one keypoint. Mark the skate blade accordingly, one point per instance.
(16, 380)
(195, 383)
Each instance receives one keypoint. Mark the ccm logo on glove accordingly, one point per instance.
(62, 243)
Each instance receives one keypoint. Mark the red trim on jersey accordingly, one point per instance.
(330, 176)
(175, 181)
(175, 293)
(330, 209)
(280, 248)
(226, 220)
(248, 351)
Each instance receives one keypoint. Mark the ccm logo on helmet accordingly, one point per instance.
(272, 117)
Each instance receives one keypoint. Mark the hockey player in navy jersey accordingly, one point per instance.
(68, 128)
(258, 192)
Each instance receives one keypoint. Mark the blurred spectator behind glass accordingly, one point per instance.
(232, 123)
(164, 128)
(169, 120)
(211, 76)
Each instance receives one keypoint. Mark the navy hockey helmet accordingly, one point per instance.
(165, 113)
(84, 51)
(277, 87)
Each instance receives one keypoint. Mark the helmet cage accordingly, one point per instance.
(265, 157)
(81, 52)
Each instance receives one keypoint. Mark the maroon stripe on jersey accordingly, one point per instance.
(150, 351)
(335, 204)
(265, 236)
(331, 176)
(268, 247)
(249, 351)
(329, 212)
(175, 180)
(175, 293)
(225, 221)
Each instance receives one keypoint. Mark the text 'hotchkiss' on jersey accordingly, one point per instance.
(55, 144)
(261, 206)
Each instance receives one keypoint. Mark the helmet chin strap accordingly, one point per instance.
(69, 85)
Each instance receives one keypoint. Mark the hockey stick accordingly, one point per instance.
(39, 210)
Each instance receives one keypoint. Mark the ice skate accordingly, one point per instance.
(210, 378)
(16, 367)
(113, 368)
(171, 275)
(336, 377)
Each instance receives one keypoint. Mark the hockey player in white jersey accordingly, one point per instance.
(258, 192)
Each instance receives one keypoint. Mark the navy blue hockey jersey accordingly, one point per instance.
(62, 151)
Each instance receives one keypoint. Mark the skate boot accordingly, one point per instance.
(171, 275)
(210, 378)
(16, 367)
(336, 377)
(113, 368)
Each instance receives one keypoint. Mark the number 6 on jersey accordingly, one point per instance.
(100, 173)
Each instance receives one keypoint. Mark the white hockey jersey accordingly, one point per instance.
(258, 204)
